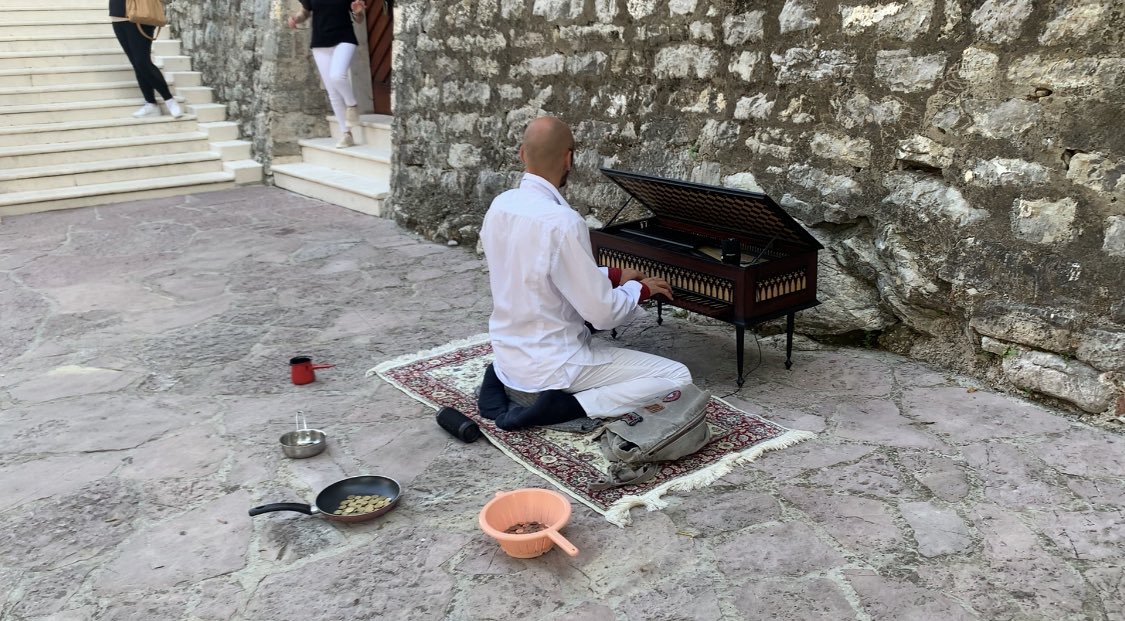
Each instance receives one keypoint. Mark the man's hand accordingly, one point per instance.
(628, 273)
(358, 7)
(657, 286)
(292, 21)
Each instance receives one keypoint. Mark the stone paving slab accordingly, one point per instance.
(146, 385)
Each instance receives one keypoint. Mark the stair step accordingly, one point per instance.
(107, 171)
(69, 93)
(99, 129)
(68, 111)
(23, 43)
(59, 4)
(332, 186)
(208, 113)
(196, 94)
(375, 130)
(56, 76)
(245, 172)
(359, 160)
(76, 58)
(184, 78)
(232, 149)
(17, 203)
(220, 131)
(40, 14)
(93, 150)
(172, 63)
(56, 5)
(44, 29)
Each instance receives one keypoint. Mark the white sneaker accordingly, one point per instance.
(174, 108)
(149, 109)
(345, 141)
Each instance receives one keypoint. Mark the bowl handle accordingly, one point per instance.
(562, 542)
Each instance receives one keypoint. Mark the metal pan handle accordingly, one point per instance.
(283, 506)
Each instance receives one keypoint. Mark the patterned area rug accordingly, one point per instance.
(450, 375)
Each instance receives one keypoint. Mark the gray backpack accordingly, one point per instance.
(636, 443)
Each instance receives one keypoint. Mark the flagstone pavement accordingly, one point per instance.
(145, 383)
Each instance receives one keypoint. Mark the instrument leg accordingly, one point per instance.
(789, 340)
(740, 333)
(659, 313)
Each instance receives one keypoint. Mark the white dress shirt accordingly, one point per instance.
(544, 284)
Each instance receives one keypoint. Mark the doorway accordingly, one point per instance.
(380, 33)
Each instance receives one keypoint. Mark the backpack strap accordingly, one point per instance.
(621, 474)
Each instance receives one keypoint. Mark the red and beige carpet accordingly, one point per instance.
(449, 376)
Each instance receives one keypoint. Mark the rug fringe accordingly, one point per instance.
(618, 512)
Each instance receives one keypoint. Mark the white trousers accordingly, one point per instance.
(633, 378)
(333, 63)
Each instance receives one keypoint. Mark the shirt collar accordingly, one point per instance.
(539, 184)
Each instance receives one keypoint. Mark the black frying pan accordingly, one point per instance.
(329, 500)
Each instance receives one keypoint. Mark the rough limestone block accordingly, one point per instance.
(743, 28)
(908, 74)
(1001, 21)
(687, 60)
(797, 15)
(851, 150)
(1074, 23)
(1044, 221)
(1069, 380)
(1114, 243)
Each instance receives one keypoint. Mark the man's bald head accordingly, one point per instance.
(546, 149)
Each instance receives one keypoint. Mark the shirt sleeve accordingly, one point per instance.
(307, 4)
(586, 286)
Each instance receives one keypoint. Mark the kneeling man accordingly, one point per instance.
(545, 287)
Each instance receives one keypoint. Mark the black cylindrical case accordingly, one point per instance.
(458, 425)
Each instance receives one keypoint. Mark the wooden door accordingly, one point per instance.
(379, 36)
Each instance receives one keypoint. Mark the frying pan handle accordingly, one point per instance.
(283, 506)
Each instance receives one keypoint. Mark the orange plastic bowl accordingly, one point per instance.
(530, 504)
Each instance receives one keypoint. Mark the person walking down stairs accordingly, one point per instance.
(333, 44)
(138, 47)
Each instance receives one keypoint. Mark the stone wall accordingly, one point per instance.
(963, 162)
(258, 67)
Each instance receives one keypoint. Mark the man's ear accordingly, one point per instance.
(522, 159)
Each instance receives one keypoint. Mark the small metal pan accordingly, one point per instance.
(330, 498)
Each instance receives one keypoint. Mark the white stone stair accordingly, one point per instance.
(107, 171)
(67, 134)
(356, 177)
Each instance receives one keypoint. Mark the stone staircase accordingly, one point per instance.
(67, 134)
(356, 177)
